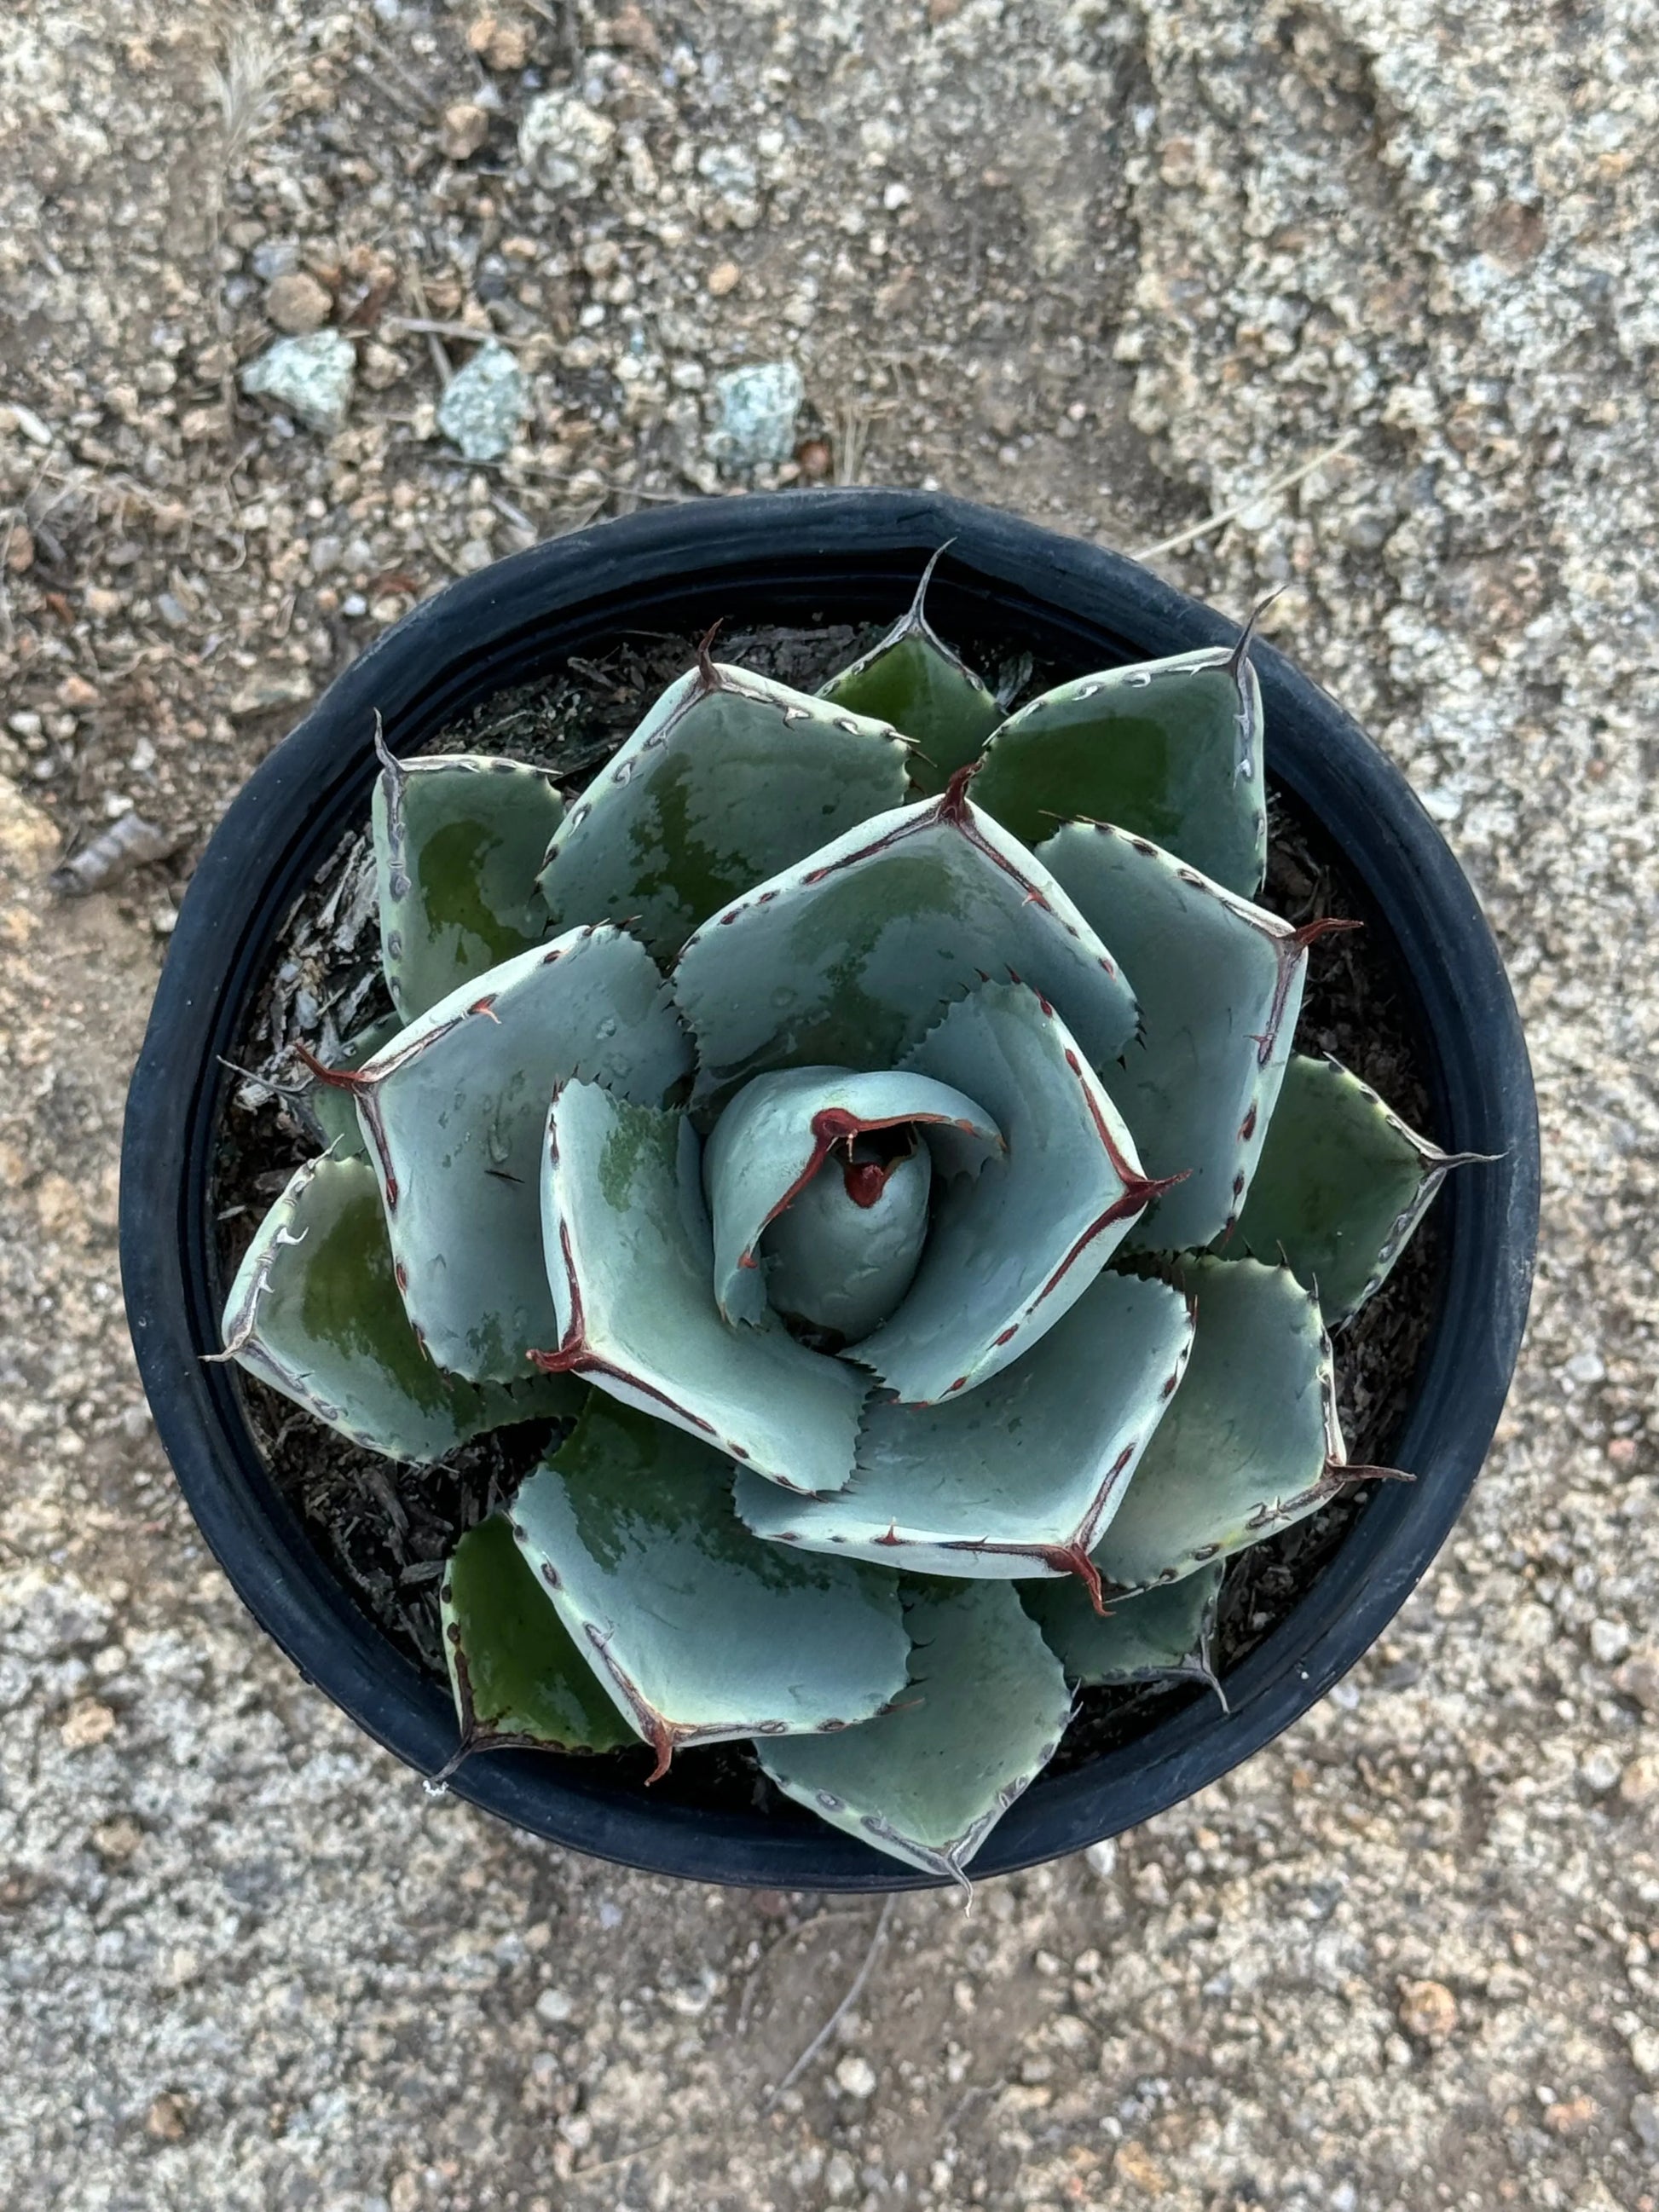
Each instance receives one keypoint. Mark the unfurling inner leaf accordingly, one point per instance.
(986, 1707)
(630, 1258)
(697, 1633)
(841, 1254)
(771, 1141)
(1008, 1253)
(517, 1677)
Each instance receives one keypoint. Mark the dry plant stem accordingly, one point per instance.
(1226, 515)
(246, 87)
(434, 344)
(425, 326)
(854, 1992)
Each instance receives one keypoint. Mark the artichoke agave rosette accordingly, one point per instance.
(865, 1136)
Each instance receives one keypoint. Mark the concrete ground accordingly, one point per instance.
(1124, 267)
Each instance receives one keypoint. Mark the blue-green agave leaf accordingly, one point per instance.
(926, 1783)
(458, 839)
(769, 1145)
(1341, 1185)
(517, 1677)
(912, 679)
(314, 1311)
(1018, 1477)
(630, 1259)
(1219, 983)
(1164, 1633)
(1009, 1252)
(697, 1633)
(1250, 1443)
(728, 779)
(454, 1111)
(1168, 750)
(848, 960)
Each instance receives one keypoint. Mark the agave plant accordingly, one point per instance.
(867, 1125)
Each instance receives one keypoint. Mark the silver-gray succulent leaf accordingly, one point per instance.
(1165, 1634)
(1168, 750)
(1017, 1477)
(984, 1710)
(850, 959)
(730, 778)
(453, 1110)
(457, 839)
(1219, 983)
(697, 1633)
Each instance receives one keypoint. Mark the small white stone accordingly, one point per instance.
(555, 2006)
(483, 402)
(757, 409)
(1609, 1640)
(840, 2177)
(565, 143)
(1599, 1770)
(856, 2077)
(1101, 1859)
(311, 377)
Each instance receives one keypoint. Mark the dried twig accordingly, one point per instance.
(1226, 515)
(247, 84)
(405, 76)
(425, 326)
(580, 2173)
(440, 359)
(854, 1994)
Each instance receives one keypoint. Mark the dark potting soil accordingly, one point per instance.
(386, 1530)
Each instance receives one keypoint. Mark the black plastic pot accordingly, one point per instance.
(850, 556)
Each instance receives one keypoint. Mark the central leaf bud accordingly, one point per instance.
(841, 1254)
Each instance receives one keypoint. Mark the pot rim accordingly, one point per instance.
(678, 565)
